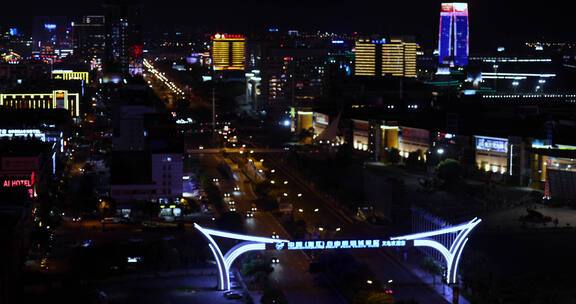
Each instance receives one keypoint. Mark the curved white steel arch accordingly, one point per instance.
(436, 245)
(451, 256)
(240, 249)
(457, 261)
(219, 264)
(225, 261)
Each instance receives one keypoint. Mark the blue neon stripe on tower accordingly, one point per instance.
(445, 39)
(453, 35)
(461, 41)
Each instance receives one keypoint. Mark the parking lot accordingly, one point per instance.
(174, 290)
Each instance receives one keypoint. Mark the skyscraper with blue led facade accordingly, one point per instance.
(453, 38)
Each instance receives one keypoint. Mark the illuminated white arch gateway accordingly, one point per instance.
(452, 255)
(250, 243)
(225, 261)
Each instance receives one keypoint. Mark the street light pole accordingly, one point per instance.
(455, 293)
(213, 112)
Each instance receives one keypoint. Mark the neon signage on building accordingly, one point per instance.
(492, 144)
(21, 182)
(17, 183)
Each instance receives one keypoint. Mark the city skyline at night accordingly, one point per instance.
(303, 152)
(495, 21)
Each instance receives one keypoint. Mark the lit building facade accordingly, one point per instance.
(412, 140)
(26, 164)
(301, 119)
(396, 57)
(492, 154)
(70, 75)
(365, 56)
(228, 52)
(58, 99)
(399, 58)
(320, 123)
(453, 39)
(362, 138)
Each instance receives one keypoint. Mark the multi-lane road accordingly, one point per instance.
(291, 274)
(322, 218)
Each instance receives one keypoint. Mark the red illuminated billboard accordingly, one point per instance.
(447, 7)
(458, 7)
(416, 135)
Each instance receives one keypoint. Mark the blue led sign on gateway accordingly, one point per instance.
(340, 244)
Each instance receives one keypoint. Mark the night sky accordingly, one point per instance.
(491, 21)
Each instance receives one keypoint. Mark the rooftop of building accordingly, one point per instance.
(130, 168)
(13, 197)
(44, 86)
(163, 134)
(22, 146)
(134, 93)
(33, 118)
(13, 202)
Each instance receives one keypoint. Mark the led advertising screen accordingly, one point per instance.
(447, 7)
(492, 144)
(415, 135)
(460, 7)
(321, 118)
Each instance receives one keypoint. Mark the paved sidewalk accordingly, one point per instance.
(255, 295)
(441, 288)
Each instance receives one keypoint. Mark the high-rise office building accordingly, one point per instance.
(124, 46)
(366, 50)
(453, 38)
(90, 37)
(396, 57)
(399, 58)
(228, 52)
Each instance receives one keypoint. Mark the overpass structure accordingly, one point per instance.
(451, 253)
